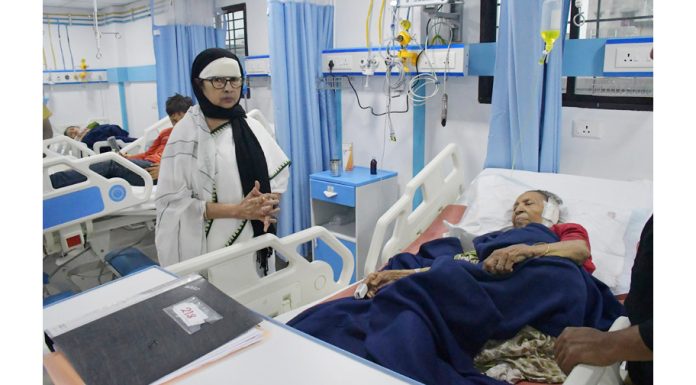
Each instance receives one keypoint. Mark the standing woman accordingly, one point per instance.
(221, 173)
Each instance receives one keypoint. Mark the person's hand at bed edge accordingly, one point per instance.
(593, 347)
(378, 279)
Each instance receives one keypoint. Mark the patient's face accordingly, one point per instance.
(72, 132)
(527, 209)
(176, 117)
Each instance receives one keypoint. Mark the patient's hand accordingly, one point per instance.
(379, 279)
(501, 261)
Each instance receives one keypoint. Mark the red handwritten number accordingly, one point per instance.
(188, 312)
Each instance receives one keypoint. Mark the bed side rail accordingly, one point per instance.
(99, 146)
(65, 146)
(300, 283)
(605, 375)
(441, 182)
(93, 198)
(149, 135)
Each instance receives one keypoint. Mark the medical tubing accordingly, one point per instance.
(381, 20)
(97, 34)
(44, 59)
(392, 134)
(367, 29)
(401, 80)
(72, 60)
(370, 107)
(430, 77)
(60, 44)
(50, 40)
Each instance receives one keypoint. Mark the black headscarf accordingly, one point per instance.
(251, 161)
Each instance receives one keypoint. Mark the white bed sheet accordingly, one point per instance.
(608, 209)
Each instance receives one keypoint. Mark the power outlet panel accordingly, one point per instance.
(586, 129)
(352, 61)
(257, 65)
(417, 3)
(628, 57)
(74, 77)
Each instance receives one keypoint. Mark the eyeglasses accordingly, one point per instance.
(220, 83)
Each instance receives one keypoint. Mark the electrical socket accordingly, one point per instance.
(343, 62)
(586, 129)
(633, 56)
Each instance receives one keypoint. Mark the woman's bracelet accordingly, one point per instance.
(548, 248)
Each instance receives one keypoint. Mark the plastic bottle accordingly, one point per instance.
(373, 166)
(550, 24)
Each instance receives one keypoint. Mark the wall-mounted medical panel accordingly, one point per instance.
(417, 3)
(75, 77)
(352, 61)
(628, 57)
(257, 65)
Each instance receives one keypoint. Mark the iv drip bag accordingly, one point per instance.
(550, 22)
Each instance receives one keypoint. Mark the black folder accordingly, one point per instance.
(140, 344)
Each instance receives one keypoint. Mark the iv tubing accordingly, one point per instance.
(97, 34)
(367, 28)
(381, 20)
(50, 39)
(72, 59)
(60, 44)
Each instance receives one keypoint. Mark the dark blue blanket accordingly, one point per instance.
(103, 132)
(430, 325)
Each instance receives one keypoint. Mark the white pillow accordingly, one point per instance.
(606, 228)
(613, 212)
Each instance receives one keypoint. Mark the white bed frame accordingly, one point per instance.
(441, 182)
(298, 284)
(65, 146)
(97, 224)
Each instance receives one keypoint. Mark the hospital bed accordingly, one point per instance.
(612, 211)
(84, 214)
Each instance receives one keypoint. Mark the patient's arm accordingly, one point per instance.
(378, 279)
(591, 346)
(501, 261)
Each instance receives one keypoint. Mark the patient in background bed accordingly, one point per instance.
(95, 132)
(176, 107)
(443, 317)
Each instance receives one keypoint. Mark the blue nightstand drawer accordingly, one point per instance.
(324, 253)
(333, 192)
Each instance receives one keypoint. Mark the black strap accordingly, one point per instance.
(252, 166)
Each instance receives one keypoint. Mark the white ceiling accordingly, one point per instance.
(87, 4)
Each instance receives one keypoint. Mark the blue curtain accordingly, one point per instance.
(176, 46)
(524, 133)
(304, 116)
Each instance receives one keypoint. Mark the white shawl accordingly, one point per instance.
(199, 167)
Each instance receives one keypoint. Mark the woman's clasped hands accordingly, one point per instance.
(260, 206)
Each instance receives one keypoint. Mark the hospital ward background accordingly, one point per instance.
(341, 191)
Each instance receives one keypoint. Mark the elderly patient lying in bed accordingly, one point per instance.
(443, 316)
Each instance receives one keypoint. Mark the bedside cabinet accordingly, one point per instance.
(349, 207)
